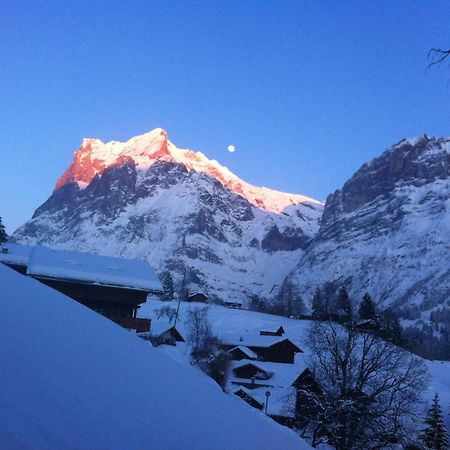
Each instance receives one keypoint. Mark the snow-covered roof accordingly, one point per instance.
(243, 363)
(282, 393)
(245, 350)
(252, 339)
(273, 329)
(84, 403)
(159, 327)
(88, 268)
(236, 301)
(283, 374)
(15, 254)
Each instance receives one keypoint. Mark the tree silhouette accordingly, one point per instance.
(3, 235)
(437, 56)
(435, 435)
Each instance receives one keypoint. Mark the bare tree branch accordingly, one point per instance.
(437, 56)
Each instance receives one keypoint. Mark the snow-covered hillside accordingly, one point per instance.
(228, 322)
(180, 211)
(72, 379)
(387, 231)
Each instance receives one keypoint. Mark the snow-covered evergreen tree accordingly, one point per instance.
(344, 304)
(168, 287)
(318, 310)
(3, 235)
(390, 328)
(435, 435)
(367, 309)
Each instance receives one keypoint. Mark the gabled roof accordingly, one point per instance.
(284, 375)
(158, 328)
(295, 348)
(252, 364)
(245, 350)
(254, 339)
(233, 302)
(92, 269)
(278, 332)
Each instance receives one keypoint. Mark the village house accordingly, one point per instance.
(268, 372)
(267, 348)
(275, 332)
(251, 371)
(113, 287)
(240, 352)
(285, 390)
(197, 297)
(235, 304)
(164, 333)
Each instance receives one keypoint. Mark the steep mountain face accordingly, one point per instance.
(184, 213)
(387, 231)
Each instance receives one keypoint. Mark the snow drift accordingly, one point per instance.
(72, 379)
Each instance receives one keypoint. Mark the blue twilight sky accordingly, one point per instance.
(307, 91)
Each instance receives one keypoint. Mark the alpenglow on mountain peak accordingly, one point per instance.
(95, 156)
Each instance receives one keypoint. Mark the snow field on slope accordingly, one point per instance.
(228, 322)
(73, 379)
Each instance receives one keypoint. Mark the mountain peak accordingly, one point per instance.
(94, 156)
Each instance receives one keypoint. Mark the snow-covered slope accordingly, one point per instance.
(387, 231)
(72, 379)
(180, 211)
(226, 322)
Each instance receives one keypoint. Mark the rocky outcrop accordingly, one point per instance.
(387, 231)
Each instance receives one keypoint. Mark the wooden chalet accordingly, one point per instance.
(164, 333)
(239, 352)
(197, 297)
(234, 304)
(282, 351)
(252, 371)
(268, 348)
(113, 287)
(277, 332)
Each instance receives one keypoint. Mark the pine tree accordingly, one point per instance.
(168, 287)
(367, 309)
(317, 305)
(3, 235)
(435, 435)
(390, 328)
(344, 304)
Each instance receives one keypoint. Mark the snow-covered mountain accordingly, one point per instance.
(148, 199)
(387, 231)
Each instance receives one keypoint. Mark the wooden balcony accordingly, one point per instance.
(133, 323)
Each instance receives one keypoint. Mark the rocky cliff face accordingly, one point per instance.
(180, 211)
(387, 231)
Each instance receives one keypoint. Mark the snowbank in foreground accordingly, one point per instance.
(72, 379)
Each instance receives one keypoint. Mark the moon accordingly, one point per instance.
(231, 148)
